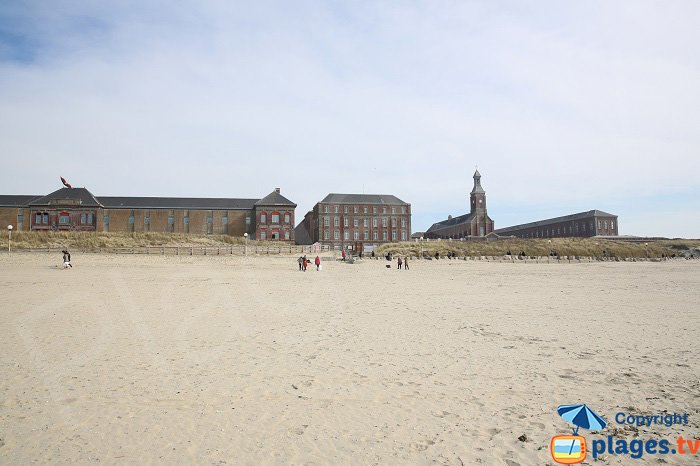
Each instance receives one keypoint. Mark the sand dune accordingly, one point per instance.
(242, 360)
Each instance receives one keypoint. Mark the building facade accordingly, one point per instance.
(584, 224)
(476, 223)
(359, 222)
(76, 209)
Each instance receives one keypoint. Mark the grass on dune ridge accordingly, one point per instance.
(531, 247)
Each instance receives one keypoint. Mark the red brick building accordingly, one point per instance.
(358, 222)
(77, 209)
(583, 224)
(476, 223)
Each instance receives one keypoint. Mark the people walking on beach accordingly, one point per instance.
(66, 259)
(306, 263)
(301, 263)
(405, 263)
(343, 254)
(399, 262)
(317, 261)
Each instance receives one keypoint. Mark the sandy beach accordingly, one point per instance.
(246, 360)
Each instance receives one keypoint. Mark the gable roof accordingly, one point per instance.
(450, 222)
(565, 218)
(275, 198)
(19, 200)
(337, 198)
(195, 203)
(82, 195)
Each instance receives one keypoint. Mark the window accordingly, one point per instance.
(209, 220)
(247, 220)
(403, 210)
(336, 234)
(224, 220)
(393, 221)
(345, 210)
(612, 224)
(383, 221)
(403, 223)
(171, 220)
(605, 224)
(263, 218)
(366, 235)
(105, 219)
(346, 235)
(286, 218)
(354, 209)
(356, 235)
(336, 221)
(325, 234)
(345, 222)
(364, 209)
(45, 219)
(374, 222)
(383, 210)
(335, 209)
(325, 209)
(356, 223)
(393, 210)
(275, 218)
(286, 235)
(384, 235)
(186, 220)
(263, 235)
(365, 223)
(146, 220)
(403, 235)
(374, 235)
(374, 210)
(89, 219)
(131, 220)
(599, 224)
(64, 219)
(326, 221)
(37, 220)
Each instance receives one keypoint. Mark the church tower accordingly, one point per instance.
(478, 196)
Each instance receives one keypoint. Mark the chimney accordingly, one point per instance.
(277, 190)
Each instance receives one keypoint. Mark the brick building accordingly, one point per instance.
(476, 223)
(76, 209)
(584, 224)
(356, 221)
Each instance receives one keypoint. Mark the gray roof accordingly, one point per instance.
(449, 222)
(565, 218)
(275, 198)
(477, 184)
(19, 200)
(83, 195)
(195, 203)
(335, 198)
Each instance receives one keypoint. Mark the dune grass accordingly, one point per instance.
(590, 247)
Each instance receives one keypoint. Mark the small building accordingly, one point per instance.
(77, 209)
(476, 223)
(356, 221)
(583, 224)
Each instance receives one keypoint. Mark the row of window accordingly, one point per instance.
(42, 218)
(274, 218)
(578, 227)
(365, 235)
(171, 220)
(356, 209)
(365, 222)
(275, 235)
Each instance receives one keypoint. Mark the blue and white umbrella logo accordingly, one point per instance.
(581, 416)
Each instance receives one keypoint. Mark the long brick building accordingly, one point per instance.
(583, 224)
(77, 209)
(476, 223)
(356, 221)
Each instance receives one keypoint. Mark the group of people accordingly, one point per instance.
(402, 262)
(304, 263)
(66, 259)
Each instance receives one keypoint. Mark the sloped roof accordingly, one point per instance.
(336, 198)
(83, 195)
(275, 198)
(195, 203)
(301, 235)
(450, 222)
(565, 218)
(19, 200)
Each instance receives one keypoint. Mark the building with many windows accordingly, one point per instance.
(584, 224)
(476, 223)
(76, 209)
(358, 222)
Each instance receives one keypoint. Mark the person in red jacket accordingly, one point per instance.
(343, 254)
(317, 261)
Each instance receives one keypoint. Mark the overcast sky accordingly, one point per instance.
(564, 106)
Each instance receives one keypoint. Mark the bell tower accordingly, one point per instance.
(478, 196)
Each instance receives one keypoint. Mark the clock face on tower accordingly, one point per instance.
(480, 201)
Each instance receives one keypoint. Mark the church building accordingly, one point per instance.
(474, 224)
